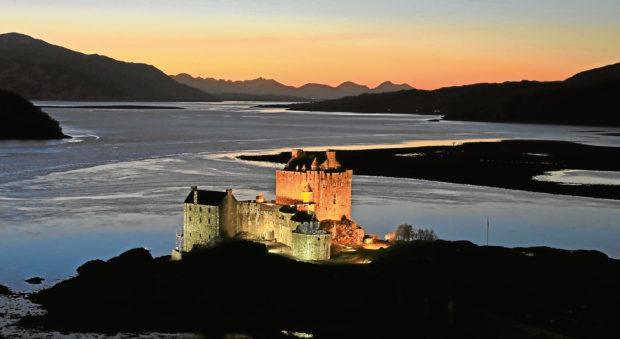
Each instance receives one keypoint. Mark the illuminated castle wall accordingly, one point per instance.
(306, 193)
(208, 215)
(326, 188)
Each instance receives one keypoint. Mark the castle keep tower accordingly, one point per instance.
(326, 186)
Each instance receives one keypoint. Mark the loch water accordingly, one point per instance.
(120, 182)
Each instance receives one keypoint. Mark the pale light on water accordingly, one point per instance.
(581, 177)
(122, 185)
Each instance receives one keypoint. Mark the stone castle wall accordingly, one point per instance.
(265, 221)
(331, 191)
(201, 223)
(311, 246)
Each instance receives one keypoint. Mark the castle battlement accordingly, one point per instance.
(329, 183)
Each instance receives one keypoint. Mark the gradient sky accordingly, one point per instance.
(426, 43)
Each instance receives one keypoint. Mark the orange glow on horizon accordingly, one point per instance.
(297, 50)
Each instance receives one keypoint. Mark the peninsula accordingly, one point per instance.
(512, 164)
(20, 119)
(587, 98)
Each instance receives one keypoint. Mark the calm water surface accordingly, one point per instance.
(121, 182)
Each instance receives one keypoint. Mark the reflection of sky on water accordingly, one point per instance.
(62, 203)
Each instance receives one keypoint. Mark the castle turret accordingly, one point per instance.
(195, 192)
(331, 163)
(228, 215)
(260, 198)
(307, 194)
(297, 153)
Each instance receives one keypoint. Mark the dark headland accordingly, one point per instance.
(507, 164)
(20, 119)
(38, 70)
(421, 289)
(587, 98)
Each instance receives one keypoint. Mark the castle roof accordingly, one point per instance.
(211, 198)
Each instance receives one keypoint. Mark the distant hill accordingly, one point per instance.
(38, 70)
(270, 87)
(588, 98)
(20, 119)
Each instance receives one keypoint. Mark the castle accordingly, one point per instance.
(311, 191)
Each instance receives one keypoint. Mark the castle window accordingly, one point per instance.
(200, 209)
(190, 208)
(201, 235)
(209, 220)
(200, 221)
(209, 209)
(334, 199)
(190, 218)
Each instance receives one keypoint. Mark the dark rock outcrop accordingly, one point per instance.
(20, 119)
(5, 290)
(34, 280)
(344, 232)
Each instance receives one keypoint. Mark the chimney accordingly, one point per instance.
(229, 191)
(331, 159)
(195, 191)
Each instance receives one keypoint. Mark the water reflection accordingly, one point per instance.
(581, 177)
(62, 203)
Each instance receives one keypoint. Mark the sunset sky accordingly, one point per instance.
(428, 44)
